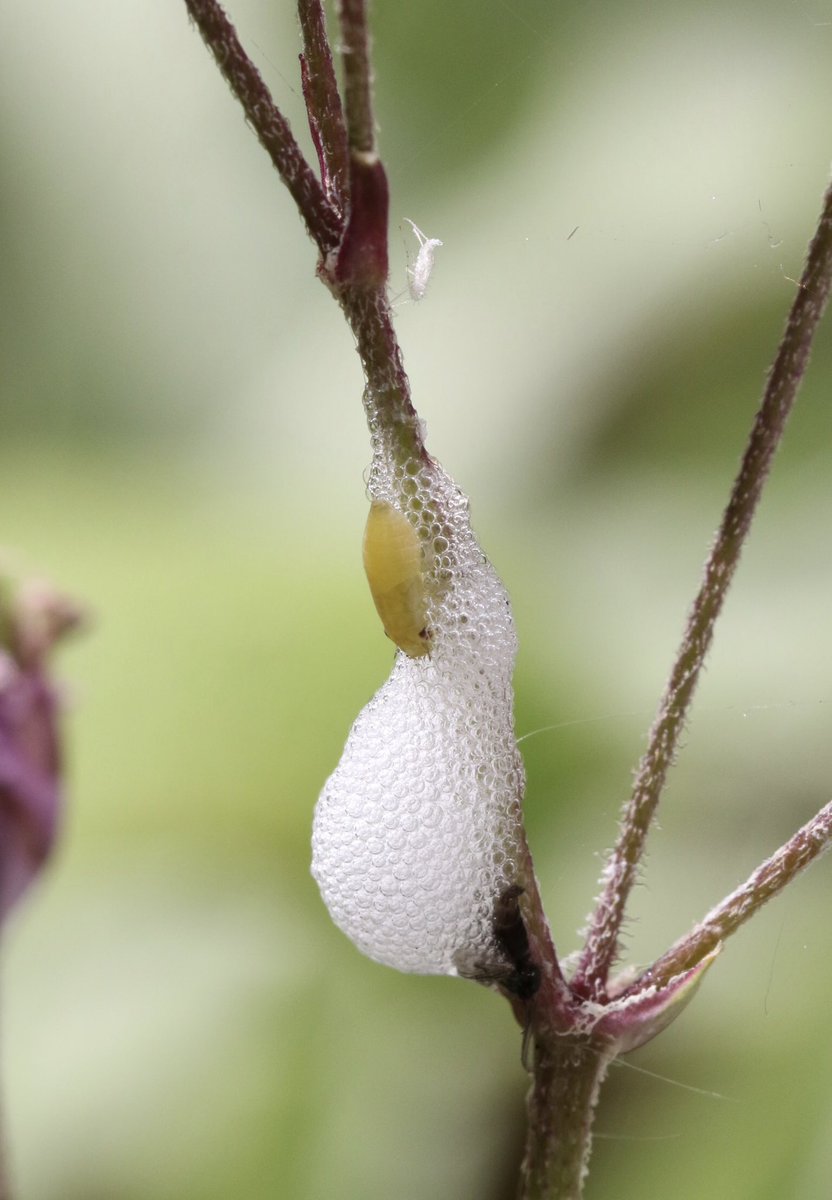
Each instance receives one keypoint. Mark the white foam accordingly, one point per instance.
(418, 829)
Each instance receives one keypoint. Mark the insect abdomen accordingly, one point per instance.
(394, 563)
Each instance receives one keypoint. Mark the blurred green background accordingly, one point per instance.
(625, 192)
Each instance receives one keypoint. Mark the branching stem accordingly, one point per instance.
(323, 105)
(574, 1033)
(267, 121)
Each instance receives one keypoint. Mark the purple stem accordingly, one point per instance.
(358, 76)
(323, 104)
(799, 852)
(780, 393)
(267, 121)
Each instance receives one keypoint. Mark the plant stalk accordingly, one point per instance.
(323, 105)
(781, 390)
(568, 1073)
(322, 221)
(768, 880)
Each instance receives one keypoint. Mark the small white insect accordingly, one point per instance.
(422, 269)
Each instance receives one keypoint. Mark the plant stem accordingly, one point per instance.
(267, 121)
(781, 390)
(568, 1073)
(387, 401)
(799, 852)
(362, 257)
(323, 104)
(358, 78)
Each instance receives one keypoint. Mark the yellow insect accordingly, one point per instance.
(395, 567)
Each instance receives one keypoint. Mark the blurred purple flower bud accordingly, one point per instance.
(32, 619)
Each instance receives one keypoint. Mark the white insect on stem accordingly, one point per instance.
(420, 273)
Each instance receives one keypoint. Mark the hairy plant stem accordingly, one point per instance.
(267, 121)
(387, 400)
(799, 852)
(358, 75)
(784, 380)
(347, 215)
(568, 1073)
(323, 105)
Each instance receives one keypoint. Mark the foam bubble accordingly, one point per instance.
(418, 831)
